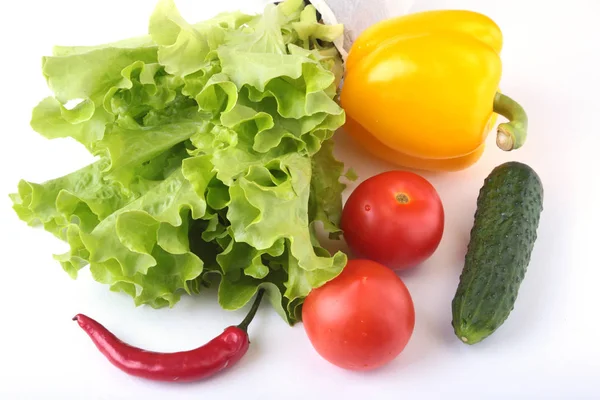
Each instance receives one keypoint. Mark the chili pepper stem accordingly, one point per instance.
(511, 135)
(244, 324)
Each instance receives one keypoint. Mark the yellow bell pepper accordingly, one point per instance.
(422, 90)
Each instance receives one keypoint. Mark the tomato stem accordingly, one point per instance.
(402, 198)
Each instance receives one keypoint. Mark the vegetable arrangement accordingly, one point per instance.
(214, 165)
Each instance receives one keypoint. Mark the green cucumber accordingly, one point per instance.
(509, 206)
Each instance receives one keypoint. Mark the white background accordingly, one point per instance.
(548, 348)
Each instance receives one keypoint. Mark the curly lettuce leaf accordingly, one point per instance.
(183, 47)
(82, 197)
(89, 74)
(215, 158)
(126, 248)
(325, 203)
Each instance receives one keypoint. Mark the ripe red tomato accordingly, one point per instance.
(362, 319)
(395, 218)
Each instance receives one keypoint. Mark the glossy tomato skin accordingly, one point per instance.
(362, 319)
(395, 218)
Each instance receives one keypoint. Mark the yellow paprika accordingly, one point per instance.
(422, 90)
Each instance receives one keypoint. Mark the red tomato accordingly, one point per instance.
(362, 319)
(395, 218)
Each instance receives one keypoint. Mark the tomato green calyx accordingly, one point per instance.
(402, 198)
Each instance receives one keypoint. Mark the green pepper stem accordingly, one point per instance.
(511, 135)
(244, 325)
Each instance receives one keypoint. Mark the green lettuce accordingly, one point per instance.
(214, 158)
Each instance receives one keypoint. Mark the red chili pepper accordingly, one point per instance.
(186, 366)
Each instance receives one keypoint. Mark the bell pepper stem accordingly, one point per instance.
(511, 135)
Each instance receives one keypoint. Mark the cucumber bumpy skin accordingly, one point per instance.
(502, 239)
